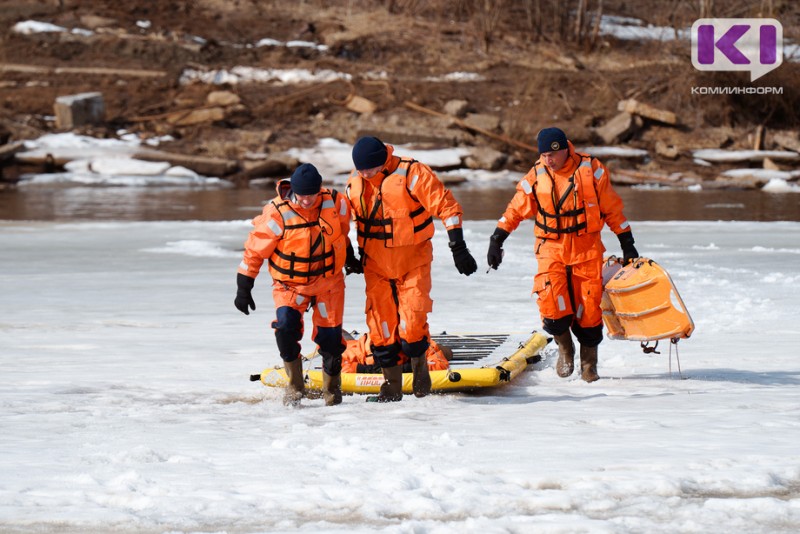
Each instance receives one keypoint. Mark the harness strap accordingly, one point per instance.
(567, 230)
(372, 219)
(291, 272)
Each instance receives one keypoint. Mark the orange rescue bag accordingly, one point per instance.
(640, 302)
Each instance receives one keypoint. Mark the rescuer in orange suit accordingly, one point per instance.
(394, 201)
(569, 196)
(358, 357)
(302, 234)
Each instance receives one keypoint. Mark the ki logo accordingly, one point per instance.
(754, 45)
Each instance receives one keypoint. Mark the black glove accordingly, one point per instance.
(352, 265)
(495, 255)
(629, 252)
(244, 298)
(464, 261)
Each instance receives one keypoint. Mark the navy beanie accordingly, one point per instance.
(369, 152)
(306, 180)
(551, 139)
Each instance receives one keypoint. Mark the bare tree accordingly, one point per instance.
(486, 16)
(580, 16)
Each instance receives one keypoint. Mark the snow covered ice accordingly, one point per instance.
(125, 404)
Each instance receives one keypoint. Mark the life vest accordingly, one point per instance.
(396, 217)
(358, 352)
(552, 220)
(308, 248)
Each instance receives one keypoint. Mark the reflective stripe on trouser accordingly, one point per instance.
(555, 300)
(398, 309)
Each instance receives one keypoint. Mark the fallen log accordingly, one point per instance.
(204, 165)
(269, 171)
(95, 71)
(634, 107)
(467, 126)
(8, 151)
(632, 177)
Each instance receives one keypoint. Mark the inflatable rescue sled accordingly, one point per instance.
(478, 361)
(641, 303)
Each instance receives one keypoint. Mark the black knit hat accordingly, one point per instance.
(551, 139)
(369, 152)
(306, 180)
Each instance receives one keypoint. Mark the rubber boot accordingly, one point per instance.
(566, 354)
(392, 387)
(421, 383)
(589, 363)
(296, 387)
(331, 389)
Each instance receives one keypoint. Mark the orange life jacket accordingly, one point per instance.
(395, 216)
(583, 208)
(308, 248)
(358, 351)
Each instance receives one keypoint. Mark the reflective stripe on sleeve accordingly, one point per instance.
(452, 221)
(526, 187)
(598, 173)
(274, 226)
(414, 180)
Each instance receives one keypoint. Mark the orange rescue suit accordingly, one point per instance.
(357, 357)
(394, 213)
(569, 208)
(305, 250)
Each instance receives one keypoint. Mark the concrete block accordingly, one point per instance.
(76, 110)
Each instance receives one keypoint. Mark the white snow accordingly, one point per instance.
(614, 151)
(243, 74)
(629, 28)
(779, 185)
(334, 160)
(107, 162)
(126, 405)
(720, 155)
(768, 174)
(457, 77)
(29, 27)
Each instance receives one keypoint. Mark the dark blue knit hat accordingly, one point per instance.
(551, 139)
(306, 180)
(369, 152)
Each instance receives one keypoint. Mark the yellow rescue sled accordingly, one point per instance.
(641, 303)
(467, 372)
